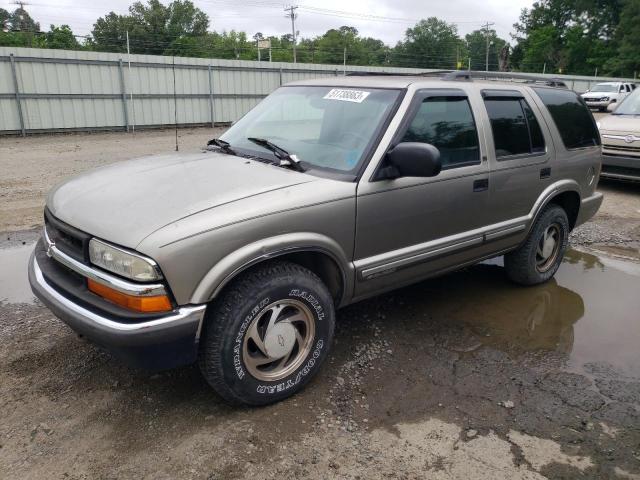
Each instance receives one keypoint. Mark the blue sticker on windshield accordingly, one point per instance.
(352, 158)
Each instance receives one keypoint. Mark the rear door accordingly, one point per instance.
(520, 152)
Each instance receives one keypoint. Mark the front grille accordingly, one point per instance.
(68, 239)
(621, 148)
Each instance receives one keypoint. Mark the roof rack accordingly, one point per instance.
(470, 75)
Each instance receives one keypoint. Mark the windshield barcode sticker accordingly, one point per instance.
(356, 96)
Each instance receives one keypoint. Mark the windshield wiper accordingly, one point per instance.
(222, 145)
(286, 159)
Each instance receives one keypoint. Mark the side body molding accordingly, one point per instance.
(233, 264)
(516, 228)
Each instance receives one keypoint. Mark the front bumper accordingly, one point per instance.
(589, 207)
(163, 342)
(623, 167)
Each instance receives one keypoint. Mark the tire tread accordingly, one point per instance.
(221, 314)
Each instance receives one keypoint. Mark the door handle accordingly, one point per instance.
(545, 172)
(481, 185)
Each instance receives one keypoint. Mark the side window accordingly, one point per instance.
(572, 117)
(516, 130)
(628, 87)
(448, 124)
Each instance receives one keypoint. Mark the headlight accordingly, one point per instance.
(121, 262)
(604, 99)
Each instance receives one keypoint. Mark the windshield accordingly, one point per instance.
(603, 87)
(630, 105)
(325, 127)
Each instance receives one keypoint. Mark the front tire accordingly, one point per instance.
(538, 259)
(267, 335)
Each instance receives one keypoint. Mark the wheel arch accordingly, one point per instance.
(566, 194)
(570, 201)
(318, 253)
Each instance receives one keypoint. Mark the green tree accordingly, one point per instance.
(57, 37)
(477, 49)
(4, 20)
(568, 36)
(431, 43)
(18, 28)
(21, 21)
(153, 28)
(626, 60)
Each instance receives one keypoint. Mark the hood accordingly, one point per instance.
(124, 202)
(622, 124)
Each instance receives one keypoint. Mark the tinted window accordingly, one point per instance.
(515, 128)
(537, 140)
(448, 124)
(572, 117)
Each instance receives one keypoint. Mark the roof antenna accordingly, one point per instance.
(175, 100)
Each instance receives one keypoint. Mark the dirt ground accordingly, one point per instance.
(465, 376)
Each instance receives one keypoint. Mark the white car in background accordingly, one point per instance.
(604, 94)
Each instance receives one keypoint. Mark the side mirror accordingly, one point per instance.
(412, 159)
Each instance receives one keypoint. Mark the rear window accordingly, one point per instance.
(515, 128)
(572, 117)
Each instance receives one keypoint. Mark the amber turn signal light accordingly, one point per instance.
(159, 303)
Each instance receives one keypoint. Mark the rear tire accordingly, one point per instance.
(540, 256)
(267, 335)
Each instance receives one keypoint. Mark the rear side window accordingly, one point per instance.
(516, 130)
(447, 123)
(572, 117)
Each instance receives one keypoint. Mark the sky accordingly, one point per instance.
(383, 19)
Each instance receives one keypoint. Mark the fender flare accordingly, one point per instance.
(548, 194)
(249, 255)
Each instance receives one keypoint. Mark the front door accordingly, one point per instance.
(409, 227)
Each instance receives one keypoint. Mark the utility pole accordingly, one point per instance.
(344, 61)
(487, 25)
(293, 15)
(133, 110)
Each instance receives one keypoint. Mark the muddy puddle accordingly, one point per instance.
(590, 311)
(14, 283)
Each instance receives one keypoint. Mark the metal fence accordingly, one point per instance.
(61, 90)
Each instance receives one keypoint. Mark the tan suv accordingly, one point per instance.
(328, 192)
(620, 133)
